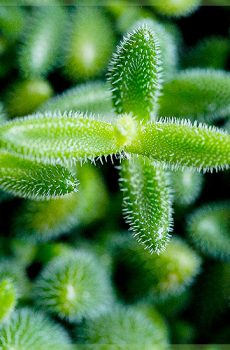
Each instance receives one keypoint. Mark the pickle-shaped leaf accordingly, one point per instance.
(211, 52)
(167, 44)
(56, 138)
(135, 74)
(33, 180)
(44, 220)
(179, 143)
(123, 328)
(146, 202)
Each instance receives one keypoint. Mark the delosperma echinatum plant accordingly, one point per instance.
(109, 123)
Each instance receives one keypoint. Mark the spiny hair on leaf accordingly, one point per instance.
(29, 179)
(38, 221)
(135, 74)
(181, 143)
(61, 138)
(167, 45)
(146, 202)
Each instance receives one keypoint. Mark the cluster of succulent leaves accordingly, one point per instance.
(145, 112)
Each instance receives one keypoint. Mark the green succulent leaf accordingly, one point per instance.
(158, 277)
(146, 202)
(12, 21)
(41, 41)
(29, 179)
(56, 138)
(187, 185)
(174, 8)
(90, 43)
(202, 94)
(11, 270)
(64, 139)
(179, 143)
(209, 230)
(26, 96)
(135, 74)
(39, 221)
(167, 45)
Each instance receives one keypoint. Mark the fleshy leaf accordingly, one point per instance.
(89, 44)
(56, 138)
(135, 74)
(43, 220)
(174, 8)
(187, 185)
(182, 144)
(41, 41)
(167, 45)
(146, 202)
(33, 180)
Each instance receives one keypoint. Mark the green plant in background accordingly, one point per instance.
(26, 329)
(7, 298)
(65, 253)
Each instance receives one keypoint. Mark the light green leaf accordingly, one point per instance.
(33, 180)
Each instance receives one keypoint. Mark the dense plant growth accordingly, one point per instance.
(155, 119)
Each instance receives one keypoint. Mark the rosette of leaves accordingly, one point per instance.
(135, 74)
(74, 286)
(27, 329)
